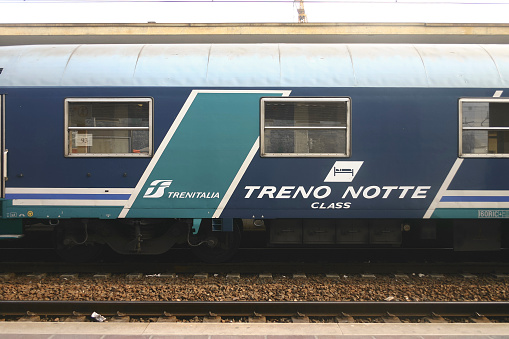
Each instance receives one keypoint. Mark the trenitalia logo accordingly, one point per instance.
(157, 188)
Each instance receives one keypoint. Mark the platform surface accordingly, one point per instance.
(58, 330)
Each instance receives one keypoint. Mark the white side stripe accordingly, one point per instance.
(158, 153)
(241, 172)
(170, 134)
(477, 193)
(55, 202)
(236, 180)
(443, 188)
(498, 94)
(66, 190)
(482, 204)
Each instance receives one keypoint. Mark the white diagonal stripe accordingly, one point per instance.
(443, 188)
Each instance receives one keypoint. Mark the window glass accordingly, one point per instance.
(305, 141)
(305, 127)
(109, 127)
(305, 114)
(484, 127)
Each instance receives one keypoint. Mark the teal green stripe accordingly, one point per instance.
(175, 213)
(62, 212)
(204, 155)
(471, 213)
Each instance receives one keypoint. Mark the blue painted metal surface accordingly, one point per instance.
(389, 126)
(404, 130)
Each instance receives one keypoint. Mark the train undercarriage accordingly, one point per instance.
(212, 241)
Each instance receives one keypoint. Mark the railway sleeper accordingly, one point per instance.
(390, 319)
(479, 318)
(344, 318)
(435, 318)
(76, 317)
(30, 317)
(257, 318)
(120, 318)
(300, 318)
(167, 318)
(211, 318)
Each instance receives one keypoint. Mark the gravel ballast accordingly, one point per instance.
(252, 288)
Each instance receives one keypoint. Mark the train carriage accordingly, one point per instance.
(142, 147)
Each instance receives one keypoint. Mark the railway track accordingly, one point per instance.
(280, 267)
(338, 310)
(357, 290)
(276, 260)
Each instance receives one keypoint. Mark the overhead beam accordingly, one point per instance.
(16, 34)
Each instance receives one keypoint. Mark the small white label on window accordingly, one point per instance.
(84, 139)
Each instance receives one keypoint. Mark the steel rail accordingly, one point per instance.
(248, 269)
(240, 308)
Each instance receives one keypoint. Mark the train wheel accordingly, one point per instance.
(216, 246)
(72, 246)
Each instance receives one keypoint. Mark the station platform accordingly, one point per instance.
(108, 330)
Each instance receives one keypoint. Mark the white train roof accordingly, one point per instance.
(256, 65)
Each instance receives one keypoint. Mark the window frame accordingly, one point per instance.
(462, 129)
(348, 127)
(68, 128)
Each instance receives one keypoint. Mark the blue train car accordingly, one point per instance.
(143, 147)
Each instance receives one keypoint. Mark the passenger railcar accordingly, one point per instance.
(143, 147)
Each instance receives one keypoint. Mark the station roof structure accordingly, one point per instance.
(157, 33)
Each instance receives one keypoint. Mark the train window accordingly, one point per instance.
(484, 127)
(305, 127)
(112, 127)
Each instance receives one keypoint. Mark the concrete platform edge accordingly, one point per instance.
(148, 329)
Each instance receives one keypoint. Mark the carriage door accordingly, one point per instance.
(3, 154)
